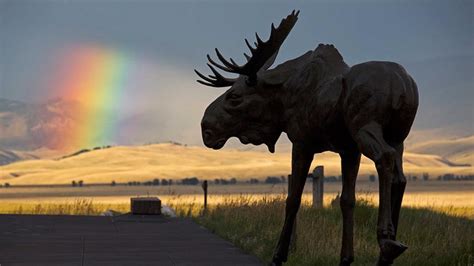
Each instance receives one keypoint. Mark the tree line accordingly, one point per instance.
(268, 180)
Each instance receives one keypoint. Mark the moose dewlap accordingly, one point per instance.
(146, 206)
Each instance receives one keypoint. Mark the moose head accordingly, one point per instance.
(249, 110)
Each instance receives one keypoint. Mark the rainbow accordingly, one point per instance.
(95, 78)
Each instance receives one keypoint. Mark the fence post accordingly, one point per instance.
(318, 186)
(204, 187)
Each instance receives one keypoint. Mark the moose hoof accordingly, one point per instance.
(390, 250)
(346, 261)
(275, 263)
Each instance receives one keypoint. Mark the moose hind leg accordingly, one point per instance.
(350, 168)
(372, 144)
(398, 189)
(398, 186)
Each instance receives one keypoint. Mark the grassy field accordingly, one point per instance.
(434, 238)
(437, 220)
(432, 194)
(435, 235)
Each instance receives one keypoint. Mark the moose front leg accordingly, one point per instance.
(350, 167)
(301, 161)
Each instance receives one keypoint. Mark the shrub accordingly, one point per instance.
(253, 181)
(190, 181)
(372, 178)
(426, 176)
(330, 179)
(273, 180)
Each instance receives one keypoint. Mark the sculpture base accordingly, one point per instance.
(145, 206)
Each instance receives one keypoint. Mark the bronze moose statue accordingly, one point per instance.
(322, 104)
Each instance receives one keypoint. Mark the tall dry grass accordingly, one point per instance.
(434, 238)
(436, 235)
(75, 207)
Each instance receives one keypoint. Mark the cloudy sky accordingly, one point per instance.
(165, 40)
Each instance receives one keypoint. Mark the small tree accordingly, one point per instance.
(156, 182)
(80, 183)
(113, 183)
(253, 181)
(233, 181)
(372, 178)
(73, 183)
(7, 185)
(272, 180)
(426, 177)
(164, 182)
(190, 181)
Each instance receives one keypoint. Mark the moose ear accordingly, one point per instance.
(269, 62)
(270, 77)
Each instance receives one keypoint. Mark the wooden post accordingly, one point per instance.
(204, 187)
(318, 186)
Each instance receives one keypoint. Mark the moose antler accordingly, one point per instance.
(215, 81)
(259, 55)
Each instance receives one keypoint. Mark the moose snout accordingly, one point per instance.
(211, 139)
(207, 136)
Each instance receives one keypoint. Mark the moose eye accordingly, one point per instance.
(234, 98)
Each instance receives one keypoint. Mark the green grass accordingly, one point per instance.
(433, 238)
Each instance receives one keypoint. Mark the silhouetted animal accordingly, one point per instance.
(322, 104)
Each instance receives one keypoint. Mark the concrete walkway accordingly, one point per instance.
(121, 240)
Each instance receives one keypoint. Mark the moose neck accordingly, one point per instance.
(311, 79)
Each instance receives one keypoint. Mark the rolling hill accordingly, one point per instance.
(459, 150)
(167, 160)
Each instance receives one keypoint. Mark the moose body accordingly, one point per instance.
(322, 104)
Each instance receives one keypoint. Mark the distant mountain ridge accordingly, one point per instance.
(459, 150)
(29, 126)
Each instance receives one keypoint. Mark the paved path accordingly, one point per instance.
(120, 240)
